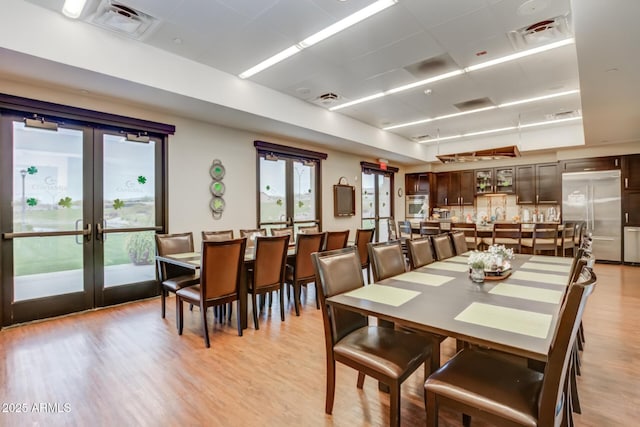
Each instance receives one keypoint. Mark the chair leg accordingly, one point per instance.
(432, 409)
(573, 383)
(317, 299)
(466, 420)
(238, 318)
(180, 314)
(331, 386)
(163, 301)
(230, 309)
(281, 303)
(205, 327)
(361, 378)
(296, 298)
(254, 310)
(394, 406)
(435, 354)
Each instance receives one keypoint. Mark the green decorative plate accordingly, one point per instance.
(217, 188)
(217, 205)
(217, 171)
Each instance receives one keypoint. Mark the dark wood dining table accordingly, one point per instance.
(517, 314)
(191, 260)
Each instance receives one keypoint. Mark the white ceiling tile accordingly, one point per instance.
(249, 8)
(435, 12)
(295, 19)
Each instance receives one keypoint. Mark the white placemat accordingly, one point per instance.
(194, 262)
(530, 276)
(185, 255)
(507, 319)
(527, 292)
(449, 266)
(551, 259)
(383, 294)
(458, 259)
(561, 268)
(423, 278)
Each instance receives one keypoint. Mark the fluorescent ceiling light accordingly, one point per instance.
(281, 56)
(478, 110)
(357, 101)
(73, 8)
(519, 55)
(454, 73)
(347, 22)
(323, 34)
(490, 131)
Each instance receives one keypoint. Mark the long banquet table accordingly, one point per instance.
(191, 260)
(517, 314)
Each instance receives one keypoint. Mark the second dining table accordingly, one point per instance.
(517, 314)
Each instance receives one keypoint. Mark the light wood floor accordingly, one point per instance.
(126, 366)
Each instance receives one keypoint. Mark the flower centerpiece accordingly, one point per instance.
(494, 261)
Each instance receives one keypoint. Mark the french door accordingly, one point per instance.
(85, 203)
(377, 203)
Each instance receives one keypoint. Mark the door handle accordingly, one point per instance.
(100, 226)
(86, 232)
(626, 217)
(626, 183)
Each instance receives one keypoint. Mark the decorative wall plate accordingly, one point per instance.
(217, 205)
(217, 188)
(217, 171)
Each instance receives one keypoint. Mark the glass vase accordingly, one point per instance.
(477, 275)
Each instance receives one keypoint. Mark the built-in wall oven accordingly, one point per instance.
(417, 206)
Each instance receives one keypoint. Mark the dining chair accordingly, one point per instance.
(484, 385)
(459, 241)
(430, 228)
(336, 240)
(420, 252)
(363, 237)
(267, 273)
(284, 231)
(216, 236)
(470, 231)
(173, 277)
(220, 272)
(508, 234)
(578, 235)
(545, 238)
(392, 231)
(404, 230)
(386, 354)
(442, 246)
(308, 230)
(252, 234)
(300, 272)
(386, 258)
(567, 240)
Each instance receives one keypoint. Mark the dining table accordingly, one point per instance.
(191, 260)
(516, 312)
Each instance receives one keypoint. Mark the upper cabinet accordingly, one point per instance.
(495, 180)
(538, 184)
(591, 164)
(417, 183)
(455, 188)
(631, 172)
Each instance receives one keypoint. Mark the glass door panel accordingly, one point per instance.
(47, 197)
(273, 193)
(377, 204)
(129, 205)
(384, 207)
(304, 197)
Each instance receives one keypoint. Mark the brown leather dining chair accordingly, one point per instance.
(251, 235)
(336, 240)
(420, 252)
(309, 230)
(363, 237)
(386, 354)
(300, 272)
(470, 233)
(484, 385)
(545, 238)
(567, 240)
(216, 236)
(220, 272)
(268, 270)
(173, 277)
(284, 231)
(430, 228)
(442, 246)
(508, 234)
(459, 241)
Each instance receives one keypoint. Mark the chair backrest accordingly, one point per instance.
(429, 228)
(285, 231)
(221, 267)
(468, 228)
(442, 246)
(168, 244)
(568, 233)
(363, 237)
(579, 232)
(551, 397)
(306, 244)
(216, 236)
(545, 236)
(386, 259)
(270, 260)
(337, 272)
(252, 234)
(459, 242)
(308, 230)
(508, 234)
(392, 233)
(404, 229)
(336, 240)
(420, 252)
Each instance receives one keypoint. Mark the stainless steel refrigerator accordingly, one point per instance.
(594, 197)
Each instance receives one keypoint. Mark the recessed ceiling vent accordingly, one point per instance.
(543, 32)
(563, 115)
(123, 19)
(432, 66)
(474, 104)
(327, 99)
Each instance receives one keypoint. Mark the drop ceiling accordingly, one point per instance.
(399, 46)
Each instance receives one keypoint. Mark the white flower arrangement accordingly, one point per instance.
(500, 251)
(495, 258)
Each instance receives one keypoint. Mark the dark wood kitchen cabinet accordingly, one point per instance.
(631, 208)
(455, 188)
(417, 183)
(631, 172)
(495, 180)
(538, 184)
(591, 164)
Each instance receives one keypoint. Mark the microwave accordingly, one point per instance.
(417, 206)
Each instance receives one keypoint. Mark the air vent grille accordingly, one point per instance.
(474, 104)
(543, 32)
(123, 19)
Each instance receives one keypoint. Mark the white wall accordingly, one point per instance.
(191, 151)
